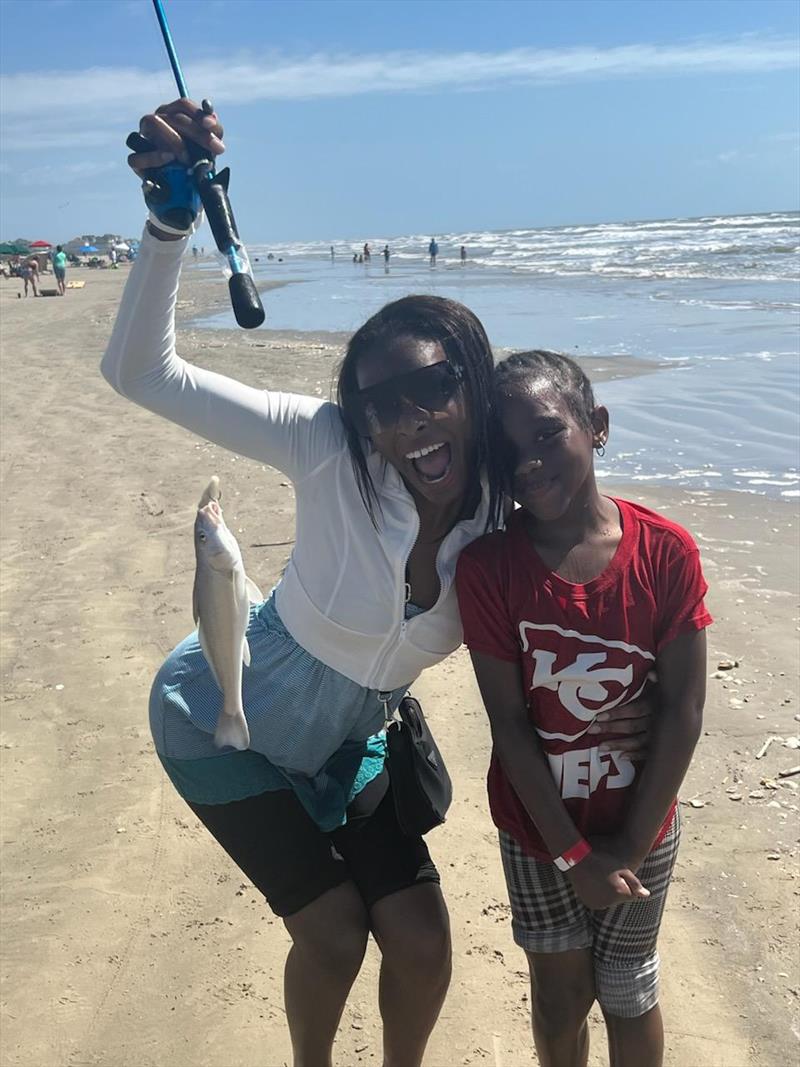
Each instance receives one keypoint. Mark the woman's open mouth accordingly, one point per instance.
(432, 463)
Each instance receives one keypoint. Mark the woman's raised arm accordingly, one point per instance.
(141, 363)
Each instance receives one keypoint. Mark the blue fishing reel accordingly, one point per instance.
(170, 192)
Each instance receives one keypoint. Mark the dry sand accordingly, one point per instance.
(129, 939)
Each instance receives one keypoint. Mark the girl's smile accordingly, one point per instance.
(549, 450)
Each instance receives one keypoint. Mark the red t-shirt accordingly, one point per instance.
(582, 649)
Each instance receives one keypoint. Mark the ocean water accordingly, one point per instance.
(715, 302)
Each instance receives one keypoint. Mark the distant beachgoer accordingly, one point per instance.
(194, 252)
(333, 254)
(367, 254)
(433, 251)
(386, 254)
(29, 272)
(355, 257)
(60, 269)
(361, 257)
(112, 255)
(463, 254)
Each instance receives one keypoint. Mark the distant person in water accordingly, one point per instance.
(333, 254)
(386, 254)
(355, 257)
(433, 251)
(367, 254)
(463, 254)
(361, 257)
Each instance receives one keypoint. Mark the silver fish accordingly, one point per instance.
(221, 604)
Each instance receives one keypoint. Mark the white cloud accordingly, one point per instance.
(279, 78)
(76, 104)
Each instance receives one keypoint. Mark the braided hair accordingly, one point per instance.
(554, 369)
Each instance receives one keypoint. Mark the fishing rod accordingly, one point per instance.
(213, 191)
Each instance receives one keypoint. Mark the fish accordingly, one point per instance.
(221, 606)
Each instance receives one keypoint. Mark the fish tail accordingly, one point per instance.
(232, 731)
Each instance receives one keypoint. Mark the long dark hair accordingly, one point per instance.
(464, 340)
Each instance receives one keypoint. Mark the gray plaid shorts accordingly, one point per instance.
(547, 916)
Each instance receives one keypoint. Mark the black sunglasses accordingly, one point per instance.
(378, 407)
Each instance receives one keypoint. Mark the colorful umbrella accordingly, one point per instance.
(41, 244)
(88, 248)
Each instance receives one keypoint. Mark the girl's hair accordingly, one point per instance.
(465, 344)
(557, 370)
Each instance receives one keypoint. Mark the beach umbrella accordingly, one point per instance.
(41, 244)
(88, 248)
(10, 249)
(122, 247)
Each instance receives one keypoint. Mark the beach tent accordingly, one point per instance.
(121, 247)
(88, 248)
(41, 244)
(9, 249)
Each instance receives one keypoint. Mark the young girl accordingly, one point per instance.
(566, 612)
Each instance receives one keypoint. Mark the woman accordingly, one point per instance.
(390, 484)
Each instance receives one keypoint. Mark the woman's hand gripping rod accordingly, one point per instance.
(171, 193)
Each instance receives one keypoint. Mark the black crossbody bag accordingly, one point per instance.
(421, 786)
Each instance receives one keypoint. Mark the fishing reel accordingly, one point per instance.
(170, 192)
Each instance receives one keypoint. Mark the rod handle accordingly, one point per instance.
(246, 303)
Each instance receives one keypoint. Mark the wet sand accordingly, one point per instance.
(129, 939)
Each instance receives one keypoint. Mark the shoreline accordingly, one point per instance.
(129, 938)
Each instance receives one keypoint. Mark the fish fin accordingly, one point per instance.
(245, 652)
(211, 492)
(204, 646)
(232, 732)
(253, 592)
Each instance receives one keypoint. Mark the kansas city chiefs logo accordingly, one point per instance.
(588, 674)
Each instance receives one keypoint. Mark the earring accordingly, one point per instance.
(600, 449)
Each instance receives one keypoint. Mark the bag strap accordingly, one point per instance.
(384, 697)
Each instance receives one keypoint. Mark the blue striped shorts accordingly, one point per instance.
(312, 729)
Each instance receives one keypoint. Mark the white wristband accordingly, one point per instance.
(171, 230)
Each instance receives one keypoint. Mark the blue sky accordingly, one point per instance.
(346, 119)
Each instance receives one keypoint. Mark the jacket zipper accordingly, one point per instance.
(406, 584)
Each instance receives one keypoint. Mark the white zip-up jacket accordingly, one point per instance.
(342, 596)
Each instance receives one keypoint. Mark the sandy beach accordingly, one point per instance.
(129, 939)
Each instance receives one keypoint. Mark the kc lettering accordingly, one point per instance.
(581, 680)
(578, 772)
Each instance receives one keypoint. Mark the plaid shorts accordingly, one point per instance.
(547, 916)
